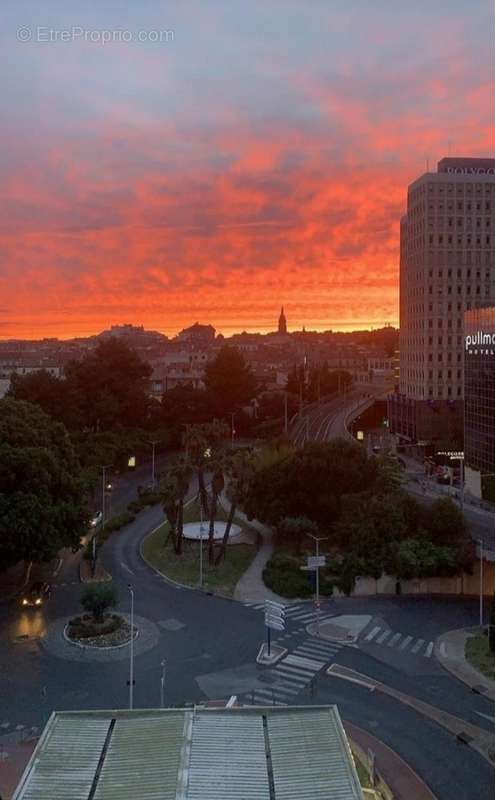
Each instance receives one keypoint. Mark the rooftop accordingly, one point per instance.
(245, 753)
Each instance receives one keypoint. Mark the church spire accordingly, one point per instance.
(282, 322)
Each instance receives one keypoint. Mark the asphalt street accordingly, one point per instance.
(210, 645)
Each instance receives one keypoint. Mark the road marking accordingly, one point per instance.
(307, 673)
(486, 716)
(325, 650)
(305, 651)
(405, 643)
(287, 688)
(443, 650)
(301, 617)
(429, 650)
(373, 633)
(393, 641)
(383, 636)
(126, 567)
(57, 568)
(417, 647)
(298, 679)
(299, 661)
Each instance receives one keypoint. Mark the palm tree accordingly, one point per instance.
(238, 469)
(173, 492)
(217, 484)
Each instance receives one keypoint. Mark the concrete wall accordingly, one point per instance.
(459, 585)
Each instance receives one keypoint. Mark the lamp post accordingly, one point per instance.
(317, 540)
(481, 582)
(201, 545)
(232, 429)
(131, 663)
(162, 683)
(153, 443)
(103, 468)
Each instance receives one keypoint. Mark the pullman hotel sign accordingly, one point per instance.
(480, 343)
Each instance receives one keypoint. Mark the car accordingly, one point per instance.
(37, 594)
(96, 519)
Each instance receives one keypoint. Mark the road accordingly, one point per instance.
(329, 422)
(210, 645)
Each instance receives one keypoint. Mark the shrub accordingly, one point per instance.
(118, 522)
(80, 628)
(96, 598)
(283, 576)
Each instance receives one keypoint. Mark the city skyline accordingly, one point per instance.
(236, 164)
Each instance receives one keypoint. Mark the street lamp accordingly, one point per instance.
(103, 468)
(153, 443)
(201, 530)
(162, 683)
(480, 541)
(131, 663)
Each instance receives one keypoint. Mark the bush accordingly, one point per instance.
(96, 598)
(283, 576)
(85, 627)
(118, 522)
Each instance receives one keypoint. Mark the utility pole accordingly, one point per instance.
(131, 664)
(481, 583)
(201, 545)
(153, 443)
(232, 429)
(286, 416)
(103, 468)
(162, 683)
(317, 540)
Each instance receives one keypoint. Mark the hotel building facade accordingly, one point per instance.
(447, 266)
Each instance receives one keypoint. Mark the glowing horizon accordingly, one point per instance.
(238, 166)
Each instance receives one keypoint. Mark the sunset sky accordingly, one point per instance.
(258, 155)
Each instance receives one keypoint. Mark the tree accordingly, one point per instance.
(229, 381)
(52, 394)
(42, 490)
(238, 469)
(173, 493)
(202, 443)
(183, 406)
(491, 629)
(292, 530)
(96, 598)
(309, 482)
(111, 385)
(217, 484)
(445, 523)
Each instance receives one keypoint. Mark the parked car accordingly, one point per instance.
(37, 594)
(98, 517)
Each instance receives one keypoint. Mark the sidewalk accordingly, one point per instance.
(250, 587)
(397, 774)
(14, 756)
(449, 650)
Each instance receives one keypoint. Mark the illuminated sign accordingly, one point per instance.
(360, 436)
(480, 342)
(131, 462)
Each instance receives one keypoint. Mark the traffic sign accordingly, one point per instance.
(278, 608)
(316, 561)
(274, 623)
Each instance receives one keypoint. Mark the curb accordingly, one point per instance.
(484, 686)
(171, 581)
(95, 647)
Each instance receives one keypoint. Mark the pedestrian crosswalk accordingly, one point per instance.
(386, 637)
(301, 614)
(294, 672)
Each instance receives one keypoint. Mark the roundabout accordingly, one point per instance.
(57, 642)
(112, 632)
(196, 531)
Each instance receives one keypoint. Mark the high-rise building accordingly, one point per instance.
(447, 265)
(479, 400)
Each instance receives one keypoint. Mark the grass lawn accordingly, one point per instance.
(362, 772)
(478, 654)
(158, 550)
